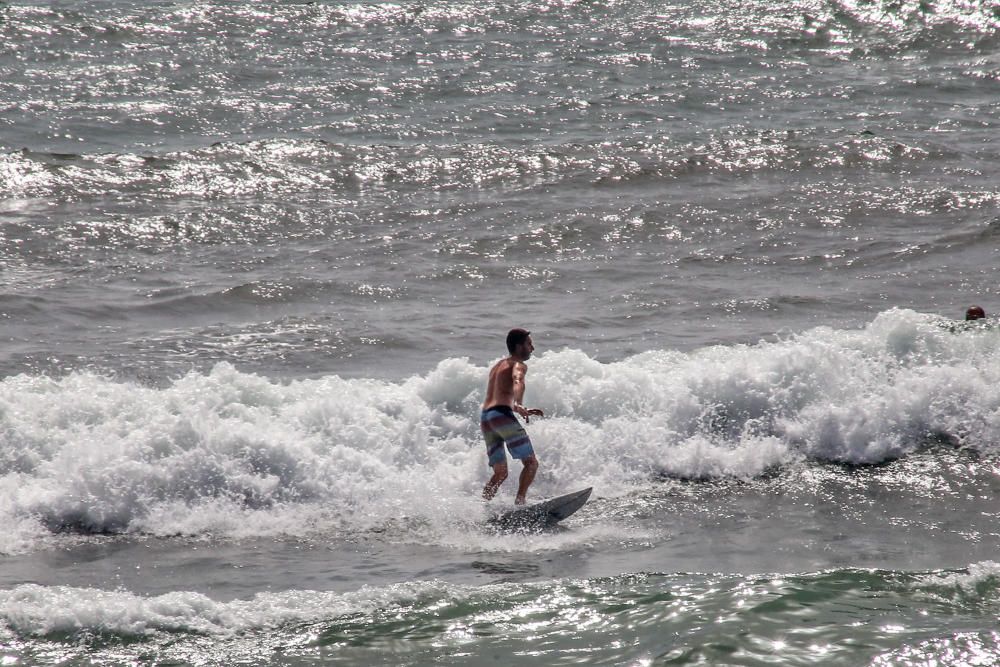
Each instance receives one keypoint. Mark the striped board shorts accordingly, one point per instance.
(500, 426)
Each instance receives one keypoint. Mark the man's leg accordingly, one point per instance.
(527, 477)
(499, 475)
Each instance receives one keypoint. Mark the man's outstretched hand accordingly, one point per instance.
(533, 412)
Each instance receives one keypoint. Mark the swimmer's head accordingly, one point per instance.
(975, 313)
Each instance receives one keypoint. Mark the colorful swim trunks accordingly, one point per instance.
(499, 426)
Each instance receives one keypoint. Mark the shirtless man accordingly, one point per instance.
(504, 394)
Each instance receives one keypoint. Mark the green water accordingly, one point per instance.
(837, 617)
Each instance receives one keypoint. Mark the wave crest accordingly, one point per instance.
(238, 454)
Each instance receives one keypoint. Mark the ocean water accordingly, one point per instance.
(257, 258)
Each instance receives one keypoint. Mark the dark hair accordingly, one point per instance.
(515, 337)
(974, 313)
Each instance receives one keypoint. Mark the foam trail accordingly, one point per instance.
(238, 455)
(32, 610)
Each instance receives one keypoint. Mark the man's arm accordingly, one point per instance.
(517, 376)
(517, 382)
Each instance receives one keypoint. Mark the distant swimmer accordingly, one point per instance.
(975, 320)
(504, 394)
(974, 313)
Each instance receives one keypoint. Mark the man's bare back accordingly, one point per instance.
(505, 376)
(506, 383)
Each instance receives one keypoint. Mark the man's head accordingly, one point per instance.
(975, 313)
(519, 343)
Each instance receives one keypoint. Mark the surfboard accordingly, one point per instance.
(541, 515)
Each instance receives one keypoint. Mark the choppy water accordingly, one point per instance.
(257, 258)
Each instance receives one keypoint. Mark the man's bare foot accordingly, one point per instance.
(519, 500)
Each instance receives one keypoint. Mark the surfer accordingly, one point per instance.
(504, 394)
(974, 313)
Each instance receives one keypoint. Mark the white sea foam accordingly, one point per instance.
(33, 610)
(978, 581)
(238, 455)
